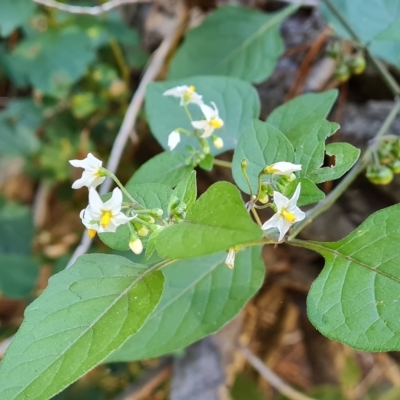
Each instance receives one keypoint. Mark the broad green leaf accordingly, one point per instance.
(373, 21)
(355, 298)
(13, 14)
(18, 125)
(18, 275)
(345, 157)
(200, 296)
(207, 163)
(233, 41)
(261, 144)
(148, 195)
(45, 59)
(16, 228)
(309, 145)
(167, 168)
(216, 221)
(309, 192)
(84, 314)
(18, 271)
(303, 110)
(237, 102)
(186, 190)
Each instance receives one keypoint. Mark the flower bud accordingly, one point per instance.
(342, 73)
(143, 231)
(244, 163)
(157, 212)
(395, 166)
(136, 246)
(357, 65)
(218, 142)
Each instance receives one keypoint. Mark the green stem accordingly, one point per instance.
(187, 112)
(121, 186)
(387, 77)
(326, 203)
(221, 163)
(256, 217)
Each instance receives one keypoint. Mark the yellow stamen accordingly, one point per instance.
(270, 169)
(216, 123)
(192, 88)
(91, 233)
(105, 218)
(97, 173)
(288, 216)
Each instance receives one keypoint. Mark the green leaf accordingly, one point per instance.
(310, 145)
(261, 144)
(207, 163)
(18, 275)
(84, 314)
(309, 192)
(18, 272)
(303, 110)
(237, 102)
(218, 220)
(373, 21)
(345, 157)
(241, 42)
(167, 168)
(355, 298)
(200, 296)
(45, 59)
(246, 388)
(16, 228)
(148, 195)
(13, 14)
(186, 190)
(18, 125)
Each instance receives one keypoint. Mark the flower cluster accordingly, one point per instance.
(210, 122)
(286, 211)
(106, 216)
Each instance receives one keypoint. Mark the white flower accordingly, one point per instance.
(212, 121)
(230, 258)
(287, 213)
(173, 139)
(104, 217)
(282, 168)
(186, 93)
(92, 175)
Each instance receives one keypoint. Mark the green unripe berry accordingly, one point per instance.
(379, 174)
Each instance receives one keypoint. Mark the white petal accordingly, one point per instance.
(208, 132)
(120, 219)
(293, 201)
(280, 200)
(200, 124)
(196, 99)
(95, 202)
(173, 139)
(272, 222)
(285, 168)
(98, 181)
(177, 91)
(79, 183)
(283, 227)
(207, 111)
(115, 202)
(300, 215)
(92, 160)
(78, 163)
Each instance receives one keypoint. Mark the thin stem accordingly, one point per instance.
(119, 57)
(121, 186)
(96, 10)
(256, 217)
(222, 163)
(387, 77)
(187, 112)
(326, 203)
(274, 380)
